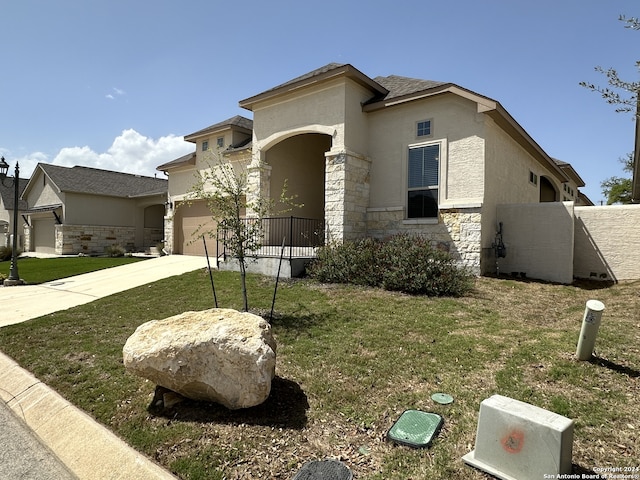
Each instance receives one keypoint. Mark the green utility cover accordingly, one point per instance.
(442, 398)
(415, 428)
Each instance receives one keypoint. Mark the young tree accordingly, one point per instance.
(625, 96)
(622, 93)
(618, 189)
(223, 186)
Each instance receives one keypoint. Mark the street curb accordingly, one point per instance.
(86, 447)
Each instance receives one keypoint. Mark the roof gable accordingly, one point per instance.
(94, 181)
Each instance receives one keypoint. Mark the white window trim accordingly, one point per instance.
(442, 168)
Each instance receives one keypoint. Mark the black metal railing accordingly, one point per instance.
(300, 237)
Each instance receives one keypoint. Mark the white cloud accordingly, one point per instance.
(130, 152)
(116, 92)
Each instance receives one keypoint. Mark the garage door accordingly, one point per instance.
(187, 221)
(44, 237)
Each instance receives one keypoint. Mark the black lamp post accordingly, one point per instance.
(14, 278)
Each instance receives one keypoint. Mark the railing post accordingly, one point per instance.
(290, 237)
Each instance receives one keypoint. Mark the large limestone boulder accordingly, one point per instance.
(217, 355)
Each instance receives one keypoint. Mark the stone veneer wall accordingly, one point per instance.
(152, 236)
(92, 239)
(168, 232)
(346, 196)
(458, 231)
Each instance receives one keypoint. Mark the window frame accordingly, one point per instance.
(220, 142)
(205, 145)
(417, 128)
(437, 188)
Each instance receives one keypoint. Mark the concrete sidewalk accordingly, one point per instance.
(58, 441)
(21, 303)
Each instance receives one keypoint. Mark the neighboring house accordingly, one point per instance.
(381, 156)
(85, 210)
(7, 193)
(231, 137)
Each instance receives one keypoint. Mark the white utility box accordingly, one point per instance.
(516, 440)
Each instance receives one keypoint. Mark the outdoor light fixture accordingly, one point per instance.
(14, 278)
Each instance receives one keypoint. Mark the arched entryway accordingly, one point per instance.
(300, 161)
(548, 192)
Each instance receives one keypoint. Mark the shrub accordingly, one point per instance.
(5, 253)
(115, 251)
(349, 262)
(403, 263)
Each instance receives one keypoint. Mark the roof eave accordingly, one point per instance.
(189, 159)
(347, 70)
(484, 103)
(193, 137)
(519, 134)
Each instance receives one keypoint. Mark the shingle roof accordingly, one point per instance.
(311, 74)
(323, 73)
(94, 181)
(7, 193)
(237, 121)
(188, 159)
(400, 86)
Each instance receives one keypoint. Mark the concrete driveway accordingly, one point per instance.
(21, 303)
(57, 440)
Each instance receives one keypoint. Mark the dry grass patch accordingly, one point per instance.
(350, 361)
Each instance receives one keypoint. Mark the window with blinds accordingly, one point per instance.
(422, 199)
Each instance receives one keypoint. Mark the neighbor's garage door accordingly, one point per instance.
(44, 237)
(187, 221)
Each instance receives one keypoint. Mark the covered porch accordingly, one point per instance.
(285, 244)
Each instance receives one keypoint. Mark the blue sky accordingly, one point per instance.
(116, 83)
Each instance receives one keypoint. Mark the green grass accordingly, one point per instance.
(350, 361)
(41, 270)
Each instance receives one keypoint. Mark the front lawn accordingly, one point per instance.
(350, 361)
(40, 270)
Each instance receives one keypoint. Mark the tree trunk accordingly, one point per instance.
(243, 282)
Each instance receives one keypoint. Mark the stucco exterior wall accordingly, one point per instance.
(539, 240)
(300, 161)
(607, 244)
(83, 209)
(180, 181)
(320, 110)
(455, 126)
(41, 192)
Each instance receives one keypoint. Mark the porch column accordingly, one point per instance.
(258, 184)
(346, 195)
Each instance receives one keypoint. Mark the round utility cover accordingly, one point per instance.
(324, 470)
(442, 398)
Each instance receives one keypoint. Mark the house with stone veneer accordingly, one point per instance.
(74, 210)
(380, 156)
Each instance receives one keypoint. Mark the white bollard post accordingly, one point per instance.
(589, 330)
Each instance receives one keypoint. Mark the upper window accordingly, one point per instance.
(205, 146)
(422, 197)
(220, 142)
(533, 178)
(423, 129)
